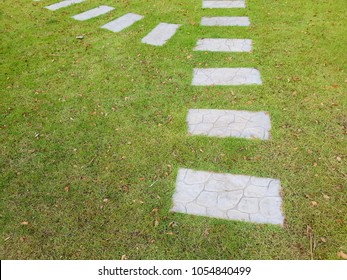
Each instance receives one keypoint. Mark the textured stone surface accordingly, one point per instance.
(224, 4)
(224, 45)
(225, 21)
(160, 34)
(122, 22)
(240, 197)
(229, 123)
(62, 4)
(93, 13)
(225, 76)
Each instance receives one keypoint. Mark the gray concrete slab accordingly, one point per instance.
(228, 196)
(93, 13)
(62, 4)
(229, 123)
(122, 22)
(225, 21)
(223, 45)
(224, 4)
(160, 34)
(225, 76)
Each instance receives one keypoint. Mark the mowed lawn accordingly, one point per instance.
(93, 130)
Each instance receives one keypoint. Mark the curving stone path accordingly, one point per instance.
(223, 4)
(62, 4)
(229, 123)
(227, 196)
(160, 34)
(93, 13)
(224, 21)
(122, 22)
(224, 45)
(225, 76)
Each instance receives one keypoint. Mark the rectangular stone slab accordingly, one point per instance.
(122, 22)
(160, 34)
(229, 123)
(93, 13)
(225, 76)
(224, 21)
(62, 4)
(224, 4)
(224, 45)
(227, 196)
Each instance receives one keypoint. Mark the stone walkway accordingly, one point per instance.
(229, 123)
(63, 4)
(224, 45)
(227, 196)
(93, 13)
(225, 76)
(157, 37)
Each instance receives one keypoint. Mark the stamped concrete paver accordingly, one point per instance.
(62, 4)
(122, 22)
(225, 76)
(224, 21)
(229, 123)
(224, 45)
(93, 13)
(223, 4)
(160, 34)
(227, 196)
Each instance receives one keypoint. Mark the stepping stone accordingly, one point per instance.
(93, 13)
(225, 21)
(122, 22)
(160, 34)
(227, 196)
(225, 76)
(224, 45)
(224, 4)
(62, 4)
(229, 123)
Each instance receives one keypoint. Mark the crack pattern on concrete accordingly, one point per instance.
(224, 45)
(229, 123)
(62, 4)
(160, 34)
(225, 76)
(227, 196)
(224, 21)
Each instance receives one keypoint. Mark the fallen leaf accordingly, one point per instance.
(156, 223)
(342, 255)
(338, 159)
(105, 200)
(326, 196)
(323, 239)
(155, 210)
(24, 223)
(314, 203)
(124, 257)
(66, 188)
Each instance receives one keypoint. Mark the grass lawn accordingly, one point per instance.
(93, 130)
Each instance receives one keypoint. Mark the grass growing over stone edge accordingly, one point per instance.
(93, 131)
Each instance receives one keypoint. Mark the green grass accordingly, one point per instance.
(104, 118)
